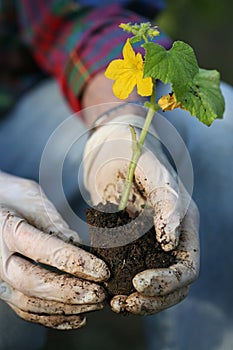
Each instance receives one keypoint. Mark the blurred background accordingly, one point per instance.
(207, 26)
(104, 331)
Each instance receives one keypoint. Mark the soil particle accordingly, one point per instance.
(125, 261)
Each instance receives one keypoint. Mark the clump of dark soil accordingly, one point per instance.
(128, 246)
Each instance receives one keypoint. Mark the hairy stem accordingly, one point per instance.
(137, 150)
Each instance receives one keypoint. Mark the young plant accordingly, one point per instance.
(193, 89)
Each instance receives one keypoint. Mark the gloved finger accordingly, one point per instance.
(167, 217)
(170, 208)
(33, 280)
(53, 321)
(163, 281)
(45, 217)
(42, 306)
(27, 240)
(169, 199)
(157, 181)
(140, 304)
(118, 303)
(28, 198)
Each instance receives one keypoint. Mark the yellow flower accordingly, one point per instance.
(169, 102)
(128, 73)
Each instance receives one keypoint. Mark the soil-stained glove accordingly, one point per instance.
(106, 160)
(159, 289)
(32, 236)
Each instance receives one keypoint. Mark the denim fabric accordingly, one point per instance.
(204, 320)
(24, 134)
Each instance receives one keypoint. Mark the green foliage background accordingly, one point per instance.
(207, 25)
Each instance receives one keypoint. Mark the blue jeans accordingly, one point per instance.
(204, 320)
(24, 134)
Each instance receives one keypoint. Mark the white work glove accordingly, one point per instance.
(33, 233)
(106, 160)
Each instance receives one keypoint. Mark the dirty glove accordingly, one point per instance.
(32, 236)
(106, 160)
(159, 289)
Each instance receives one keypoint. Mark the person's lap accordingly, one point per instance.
(24, 134)
(203, 320)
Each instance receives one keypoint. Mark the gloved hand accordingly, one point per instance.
(106, 160)
(32, 236)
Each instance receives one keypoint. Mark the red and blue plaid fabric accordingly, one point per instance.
(66, 39)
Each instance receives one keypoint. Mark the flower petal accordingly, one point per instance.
(127, 73)
(169, 102)
(144, 85)
(123, 87)
(128, 53)
(114, 69)
(139, 61)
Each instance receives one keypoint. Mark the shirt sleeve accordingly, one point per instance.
(74, 42)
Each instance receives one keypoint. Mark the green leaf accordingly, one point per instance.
(203, 98)
(177, 66)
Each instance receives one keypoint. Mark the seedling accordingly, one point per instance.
(194, 89)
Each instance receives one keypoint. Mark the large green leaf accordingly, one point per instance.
(177, 66)
(203, 98)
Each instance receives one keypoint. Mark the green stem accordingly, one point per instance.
(137, 150)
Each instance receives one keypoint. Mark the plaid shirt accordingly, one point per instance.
(70, 40)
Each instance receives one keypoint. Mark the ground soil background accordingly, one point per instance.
(207, 25)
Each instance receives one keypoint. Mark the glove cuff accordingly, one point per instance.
(129, 108)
